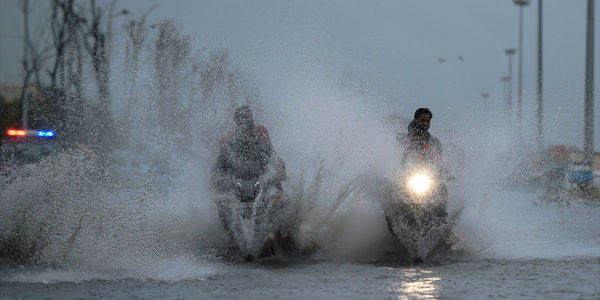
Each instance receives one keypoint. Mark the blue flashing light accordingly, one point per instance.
(45, 133)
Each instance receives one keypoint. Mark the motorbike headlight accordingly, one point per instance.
(420, 183)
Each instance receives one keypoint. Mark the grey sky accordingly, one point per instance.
(393, 46)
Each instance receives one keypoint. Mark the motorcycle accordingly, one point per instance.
(257, 214)
(417, 212)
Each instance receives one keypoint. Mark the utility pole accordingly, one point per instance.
(540, 80)
(520, 4)
(520, 75)
(510, 53)
(588, 145)
(505, 79)
(485, 96)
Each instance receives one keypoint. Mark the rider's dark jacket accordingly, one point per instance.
(244, 154)
(421, 145)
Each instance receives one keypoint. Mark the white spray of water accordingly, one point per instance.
(502, 220)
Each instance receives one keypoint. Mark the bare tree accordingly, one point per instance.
(76, 55)
(171, 52)
(213, 73)
(35, 53)
(60, 22)
(97, 43)
(137, 32)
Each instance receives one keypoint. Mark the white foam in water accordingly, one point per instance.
(54, 276)
(178, 269)
(117, 232)
(169, 270)
(513, 227)
(500, 221)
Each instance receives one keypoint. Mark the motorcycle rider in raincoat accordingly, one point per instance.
(246, 152)
(420, 146)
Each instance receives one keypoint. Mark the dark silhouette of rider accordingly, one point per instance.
(421, 147)
(245, 153)
(418, 143)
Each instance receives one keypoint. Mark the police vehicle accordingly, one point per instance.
(21, 147)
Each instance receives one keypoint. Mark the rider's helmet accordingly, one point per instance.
(423, 111)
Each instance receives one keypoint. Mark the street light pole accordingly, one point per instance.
(485, 96)
(540, 90)
(588, 145)
(520, 75)
(510, 53)
(521, 4)
(506, 81)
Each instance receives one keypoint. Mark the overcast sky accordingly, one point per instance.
(392, 46)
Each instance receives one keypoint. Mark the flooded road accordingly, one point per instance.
(566, 278)
(511, 246)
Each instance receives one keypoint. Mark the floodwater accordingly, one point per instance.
(512, 249)
(565, 278)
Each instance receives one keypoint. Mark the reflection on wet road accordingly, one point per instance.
(572, 278)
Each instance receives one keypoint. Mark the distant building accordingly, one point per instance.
(560, 154)
(10, 93)
(576, 156)
(13, 93)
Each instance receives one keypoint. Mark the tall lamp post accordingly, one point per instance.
(506, 80)
(588, 145)
(485, 96)
(521, 4)
(510, 52)
(540, 77)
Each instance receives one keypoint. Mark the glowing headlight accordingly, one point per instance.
(420, 183)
